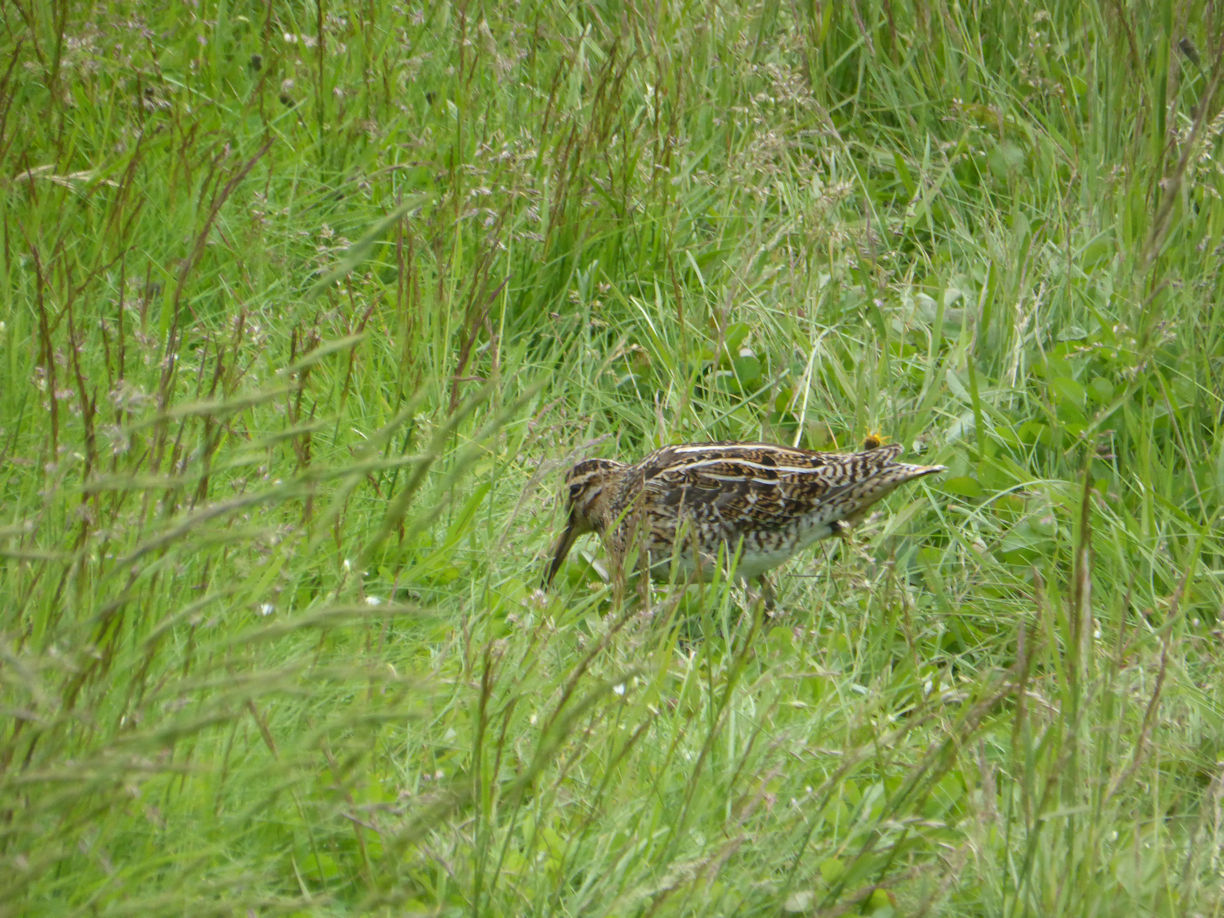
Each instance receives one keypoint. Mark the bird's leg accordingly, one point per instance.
(618, 580)
(618, 548)
(759, 590)
(643, 586)
(636, 557)
(641, 572)
(767, 594)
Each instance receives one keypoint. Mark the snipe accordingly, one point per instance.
(686, 504)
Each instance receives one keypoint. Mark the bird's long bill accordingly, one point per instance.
(563, 546)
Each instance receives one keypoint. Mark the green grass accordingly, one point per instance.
(306, 310)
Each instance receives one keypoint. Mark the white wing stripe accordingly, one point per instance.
(789, 469)
(752, 478)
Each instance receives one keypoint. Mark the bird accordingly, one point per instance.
(689, 507)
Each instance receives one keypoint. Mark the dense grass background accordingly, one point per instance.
(306, 309)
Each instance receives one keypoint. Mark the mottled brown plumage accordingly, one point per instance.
(687, 503)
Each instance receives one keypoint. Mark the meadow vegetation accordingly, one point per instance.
(307, 308)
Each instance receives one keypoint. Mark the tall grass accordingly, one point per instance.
(306, 309)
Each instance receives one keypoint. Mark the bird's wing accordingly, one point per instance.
(754, 485)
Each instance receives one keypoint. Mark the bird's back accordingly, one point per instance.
(762, 500)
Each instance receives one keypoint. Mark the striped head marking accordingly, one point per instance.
(588, 489)
(590, 486)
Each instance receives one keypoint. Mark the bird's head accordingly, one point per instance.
(590, 487)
